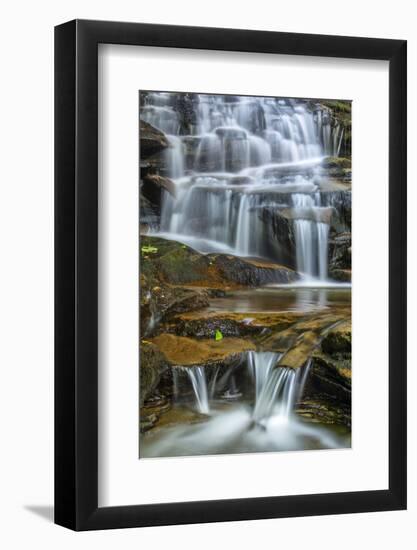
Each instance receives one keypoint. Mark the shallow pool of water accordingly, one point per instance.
(269, 300)
(231, 430)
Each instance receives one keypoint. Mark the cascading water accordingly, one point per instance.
(269, 424)
(276, 388)
(174, 156)
(311, 235)
(238, 157)
(197, 377)
(250, 178)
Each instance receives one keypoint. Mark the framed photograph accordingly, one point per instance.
(230, 275)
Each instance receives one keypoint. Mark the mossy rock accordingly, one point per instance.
(341, 111)
(177, 264)
(337, 162)
(152, 364)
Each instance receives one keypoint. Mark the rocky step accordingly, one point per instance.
(300, 340)
(159, 302)
(205, 323)
(178, 264)
(331, 372)
(183, 352)
(323, 413)
(152, 140)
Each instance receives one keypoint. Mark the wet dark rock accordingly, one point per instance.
(340, 250)
(330, 375)
(152, 141)
(186, 106)
(323, 413)
(341, 275)
(338, 339)
(152, 189)
(207, 328)
(340, 256)
(156, 405)
(341, 202)
(152, 363)
(282, 241)
(178, 264)
(157, 182)
(160, 302)
(149, 213)
(253, 272)
(326, 382)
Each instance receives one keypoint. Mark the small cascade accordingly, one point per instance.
(235, 426)
(209, 154)
(198, 380)
(161, 117)
(277, 393)
(243, 226)
(276, 388)
(322, 244)
(311, 235)
(174, 157)
(234, 158)
(260, 151)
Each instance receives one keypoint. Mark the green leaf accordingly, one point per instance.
(146, 249)
(218, 335)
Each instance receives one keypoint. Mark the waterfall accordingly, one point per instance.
(276, 388)
(311, 235)
(233, 158)
(197, 377)
(174, 157)
(322, 238)
(235, 427)
(161, 117)
(243, 230)
(304, 239)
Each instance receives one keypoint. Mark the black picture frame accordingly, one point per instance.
(76, 272)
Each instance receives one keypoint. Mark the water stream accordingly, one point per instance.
(264, 422)
(241, 160)
(248, 180)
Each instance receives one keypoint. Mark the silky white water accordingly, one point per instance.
(199, 384)
(268, 423)
(247, 159)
